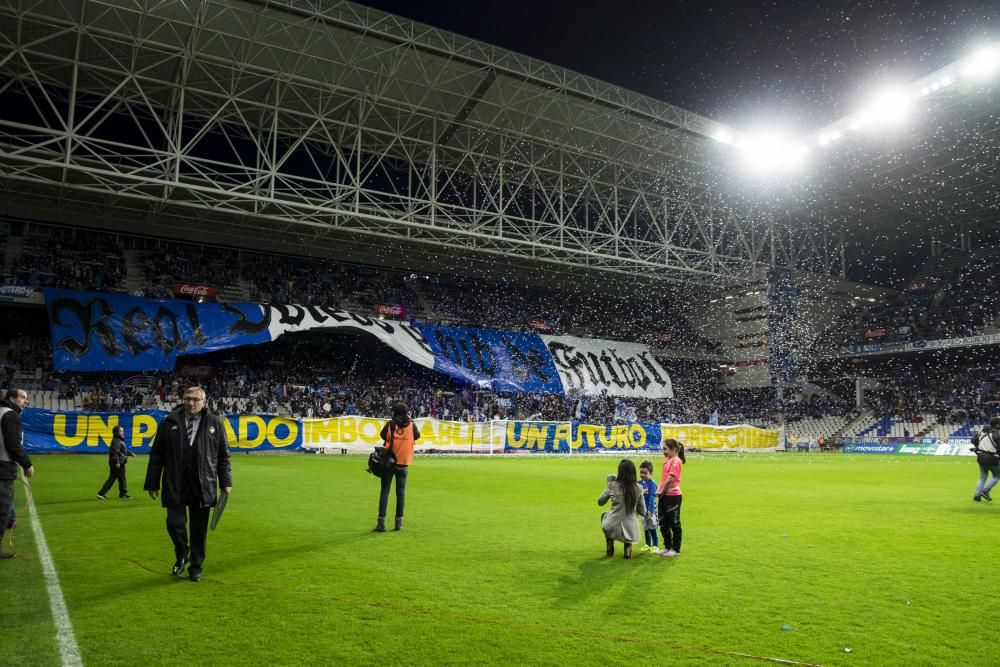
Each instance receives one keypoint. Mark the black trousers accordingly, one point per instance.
(668, 511)
(115, 474)
(6, 505)
(177, 520)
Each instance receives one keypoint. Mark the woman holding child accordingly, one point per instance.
(622, 522)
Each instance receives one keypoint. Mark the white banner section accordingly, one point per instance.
(593, 366)
(400, 336)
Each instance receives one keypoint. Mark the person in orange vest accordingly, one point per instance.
(399, 434)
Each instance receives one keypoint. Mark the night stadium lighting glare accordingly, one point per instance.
(891, 107)
(982, 64)
(769, 152)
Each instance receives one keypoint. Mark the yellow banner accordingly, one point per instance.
(363, 432)
(734, 438)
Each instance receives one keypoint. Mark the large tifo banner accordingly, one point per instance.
(48, 431)
(94, 331)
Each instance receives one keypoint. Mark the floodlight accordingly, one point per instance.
(946, 81)
(891, 107)
(723, 136)
(982, 64)
(769, 152)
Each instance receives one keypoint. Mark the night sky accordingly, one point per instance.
(801, 63)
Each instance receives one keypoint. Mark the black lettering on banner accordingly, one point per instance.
(652, 369)
(641, 379)
(339, 315)
(165, 344)
(488, 364)
(317, 314)
(84, 315)
(292, 315)
(611, 371)
(134, 323)
(448, 346)
(627, 373)
(243, 325)
(415, 335)
(199, 335)
(565, 357)
(369, 322)
(595, 365)
(525, 364)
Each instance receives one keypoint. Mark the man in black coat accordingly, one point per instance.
(190, 454)
(12, 454)
(118, 455)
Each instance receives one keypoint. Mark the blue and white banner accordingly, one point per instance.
(94, 331)
(493, 359)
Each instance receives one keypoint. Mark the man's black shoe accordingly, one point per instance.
(125, 497)
(179, 567)
(4, 555)
(195, 575)
(102, 496)
(986, 496)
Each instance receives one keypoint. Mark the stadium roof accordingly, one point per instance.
(338, 130)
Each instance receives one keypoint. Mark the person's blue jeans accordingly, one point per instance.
(984, 471)
(400, 474)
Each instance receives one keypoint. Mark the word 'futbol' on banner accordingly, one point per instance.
(592, 366)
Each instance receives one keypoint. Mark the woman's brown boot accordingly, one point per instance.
(399, 524)
(628, 551)
(379, 527)
(611, 547)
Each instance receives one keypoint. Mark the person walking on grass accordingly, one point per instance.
(669, 494)
(191, 454)
(12, 454)
(118, 455)
(400, 434)
(621, 524)
(986, 445)
(649, 498)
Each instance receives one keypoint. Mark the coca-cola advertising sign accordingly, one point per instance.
(393, 311)
(200, 372)
(194, 291)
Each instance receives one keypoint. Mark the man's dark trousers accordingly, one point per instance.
(115, 474)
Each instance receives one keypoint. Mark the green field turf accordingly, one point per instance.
(502, 561)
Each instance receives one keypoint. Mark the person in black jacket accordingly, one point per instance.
(118, 455)
(190, 453)
(12, 454)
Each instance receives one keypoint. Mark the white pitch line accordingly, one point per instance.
(68, 650)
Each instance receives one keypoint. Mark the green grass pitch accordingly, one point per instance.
(501, 560)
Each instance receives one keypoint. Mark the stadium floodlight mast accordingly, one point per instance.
(770, 152)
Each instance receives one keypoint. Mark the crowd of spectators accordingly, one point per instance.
(958, 303)
(69, 258)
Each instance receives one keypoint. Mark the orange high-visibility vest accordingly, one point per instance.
(400, 442)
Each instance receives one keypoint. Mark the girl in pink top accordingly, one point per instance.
(669, 493)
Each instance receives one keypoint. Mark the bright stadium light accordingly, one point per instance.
(982, 64)
(770, 152)
(890, 107)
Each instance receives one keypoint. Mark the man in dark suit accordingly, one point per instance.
(12, 454)
(190, 454)
(118, 455)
